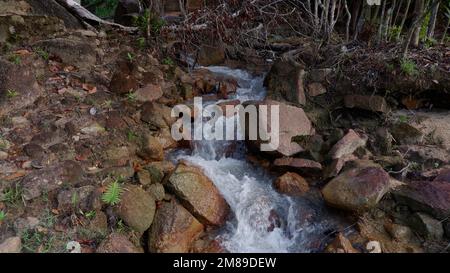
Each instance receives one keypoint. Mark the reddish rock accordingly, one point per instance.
(118, 243)
(123, 80)
(152, 149)
(337, 164)
(136, 208)
(150, 92)
(291, 184)
(358, 189)
(199, 195)
(316, 89)
(444, 175)
(174, 229)
(347, 145)
(431, 197)
(371, 103)
(293, 122)
(298, 163)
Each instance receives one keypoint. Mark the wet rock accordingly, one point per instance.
(358, 189)
(431, 197)
(118, 243)
(157, 191)
(316, 89)
(174, 229)
(291, 184)
(294, 123)
(347, 145)
(151, 149)
(199, 195)
(11, 245)
(72, 200)
(136, 208)
(209, 55)
(427, 226)
(51, 178)
(341, 245)
(71, 51)
(149, 92)
(18, 87)
(286, 81)
(370, 103)
(300, 164)
(406, 134)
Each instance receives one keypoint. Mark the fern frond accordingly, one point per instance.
(112, 194)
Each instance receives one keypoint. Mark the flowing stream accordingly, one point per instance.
(262, 220)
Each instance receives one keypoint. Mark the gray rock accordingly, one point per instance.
(11, 245)
(427, 226)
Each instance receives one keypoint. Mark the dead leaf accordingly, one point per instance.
(91, 89)
(22, 52)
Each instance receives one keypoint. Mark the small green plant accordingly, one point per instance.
(131, 136)
(131, 96)
(43, 54)
(74, 199)
(130, 57)
(90, 214)
(112, 193)
(35, 241)
(390, 67)
(403, 118)
(11, 93)
(2, 215)
(408, 67)
(12, 195)
(167, 61)
(141, 42)
(15, 59)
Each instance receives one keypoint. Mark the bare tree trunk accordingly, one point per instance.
(417, 21)
(418, 11)
(349, 20)
(382, 20)
(408, 4)
(387, 25)
(432, 23)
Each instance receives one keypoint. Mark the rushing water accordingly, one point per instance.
(262, 220)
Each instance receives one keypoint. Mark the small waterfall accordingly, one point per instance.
(263, 220)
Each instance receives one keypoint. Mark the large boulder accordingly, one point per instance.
(431, 197)
(174, 229)
(292, 122)
(358, 189)
(286, 81)
(126, 11)
(137, 208)
(18, 87)
(199, 195)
